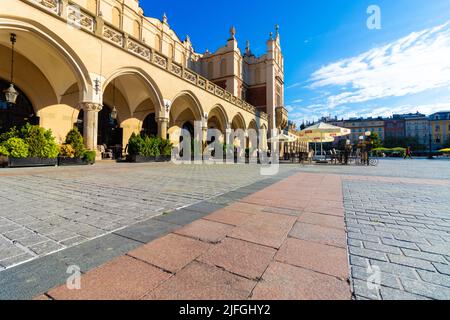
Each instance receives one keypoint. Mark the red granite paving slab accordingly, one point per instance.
(325, 203)
(322, 220)
(266, 229)
(239, 257)
(248, 234)
(199, 281)
(123, 278)
(326, 210)
(204, 230)
(319, 234)
(171, 252)
(314, 256)
(277, 202)
(230, 216)
(286, 282)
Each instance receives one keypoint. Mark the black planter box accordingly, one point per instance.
(31, 162)
(140, 159)
(3, 161)
(163, 158)
(63, 161)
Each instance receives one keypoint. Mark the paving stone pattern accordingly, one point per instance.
(404, 230)
(50, 209)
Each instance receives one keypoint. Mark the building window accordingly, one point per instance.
(157, 42)
(223, 67)
(92, 6)
(116, 17)
(171, 51)
(137, 30)
(437, 128)
(210, 70)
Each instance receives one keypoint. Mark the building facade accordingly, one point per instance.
(359, 126)
(394, 127)
(418, 126)
(78, 62)
(440, 129)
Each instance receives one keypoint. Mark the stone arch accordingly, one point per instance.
(218, 118)
(48, 71)
(152, 89)
(186, 110)
(32, 30)
(238, 122)
(135, 95)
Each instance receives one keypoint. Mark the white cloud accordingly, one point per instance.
(413, 64)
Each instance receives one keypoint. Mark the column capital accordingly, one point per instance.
(162, 119)
(90, 106)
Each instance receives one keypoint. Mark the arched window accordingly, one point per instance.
(210, 70)
(157, 42)
(116, 17)
(171, 51)
(137, 29)
(223, 67)
(91, 5)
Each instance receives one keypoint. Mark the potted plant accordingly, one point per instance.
(141, 149)
(165, 148)
(73, 152)
(4, 153)
(30, 146)
(148, 149)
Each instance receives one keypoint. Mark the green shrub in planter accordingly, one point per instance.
(75, 139)
(41, 143)
(89, 156)
(4, 151)
(165, 147)
(17, 148)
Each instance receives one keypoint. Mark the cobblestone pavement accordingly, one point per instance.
(49, 209)
(270, 245)
(416, 168)
(398, 230)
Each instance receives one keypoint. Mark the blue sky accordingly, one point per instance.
(335, 65)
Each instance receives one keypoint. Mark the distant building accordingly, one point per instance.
(394, 127)
(359, 126)
(440, 128)
(418, 126)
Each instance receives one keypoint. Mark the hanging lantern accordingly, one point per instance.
(11, 94)
(114, 113)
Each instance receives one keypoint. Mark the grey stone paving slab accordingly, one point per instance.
(148, 230)
(29, 279)
(393, 226)
(50, 209)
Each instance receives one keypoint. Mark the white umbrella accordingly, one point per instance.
(323, 132)
(282, 138)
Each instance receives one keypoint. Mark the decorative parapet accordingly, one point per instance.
(53, 6)
(87, 22)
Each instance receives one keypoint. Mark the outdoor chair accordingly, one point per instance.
(106, 153)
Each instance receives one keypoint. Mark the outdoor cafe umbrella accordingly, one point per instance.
(322, 132)
(282, 138)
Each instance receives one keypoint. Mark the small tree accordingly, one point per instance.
(75, 139)
(376, 140)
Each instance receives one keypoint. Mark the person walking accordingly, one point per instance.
(347, 151)
(408, 153)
